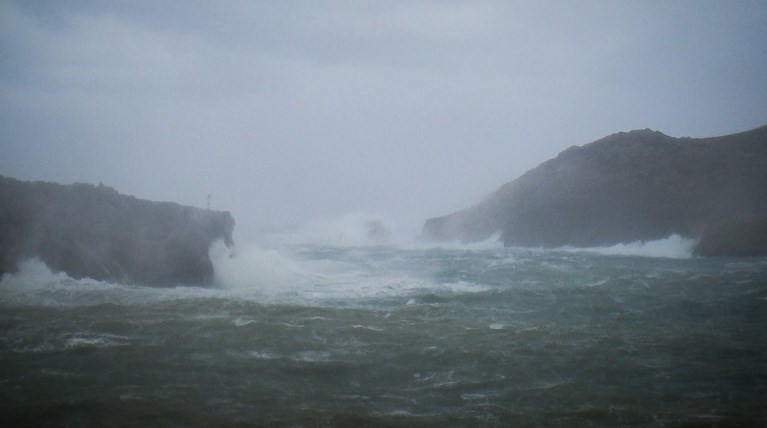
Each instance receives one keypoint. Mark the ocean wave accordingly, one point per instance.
(347, 276)
(673, 247)
(36, 285)
(94, 340)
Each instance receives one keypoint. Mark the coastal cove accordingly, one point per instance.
(358, 214)
(117, 311)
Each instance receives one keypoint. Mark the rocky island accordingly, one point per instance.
(96, 232)
(631, 186)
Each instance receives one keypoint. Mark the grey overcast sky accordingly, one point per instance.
(291, 111)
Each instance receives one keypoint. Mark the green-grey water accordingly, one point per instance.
(386, 336)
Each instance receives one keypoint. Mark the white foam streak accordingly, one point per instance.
(35, 284)
(269, 275)
(299, 275)
(674, 247)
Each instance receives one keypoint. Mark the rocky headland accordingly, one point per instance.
(630, 186)
(96, 232)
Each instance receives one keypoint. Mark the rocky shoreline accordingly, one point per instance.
(96, 232)
(630, 186)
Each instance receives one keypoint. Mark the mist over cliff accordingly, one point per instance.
(96, 232)
(629, 186)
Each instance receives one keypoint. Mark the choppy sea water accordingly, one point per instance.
(394, 336)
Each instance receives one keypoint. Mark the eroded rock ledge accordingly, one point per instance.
(95, 232)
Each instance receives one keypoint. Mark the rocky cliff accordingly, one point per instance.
(629, 186)
(93, 231)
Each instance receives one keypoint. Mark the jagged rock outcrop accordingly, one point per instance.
(93, 231)
(629, 186)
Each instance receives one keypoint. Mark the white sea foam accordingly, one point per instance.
(470, 397)
(250, 266)
(674, 247)
(92, 340)
(32, 274)
(263, 355)
(241, 322)
(301, 275)
(368, 327)
(313, 356)
(251, 273)
(279, 275)
(36, 284)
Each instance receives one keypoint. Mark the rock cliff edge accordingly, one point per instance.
(95, 232)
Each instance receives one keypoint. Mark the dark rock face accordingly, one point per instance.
(95, 232)
(629, 186)
(734, 239)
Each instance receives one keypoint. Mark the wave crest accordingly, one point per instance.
(672, 247)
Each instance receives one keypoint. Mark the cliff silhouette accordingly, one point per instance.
(96, 232)
(627, 187)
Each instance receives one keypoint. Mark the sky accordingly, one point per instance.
(289, 112)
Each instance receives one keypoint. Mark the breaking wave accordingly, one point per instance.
(672, 247)
(321, 275)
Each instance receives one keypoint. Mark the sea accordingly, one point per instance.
(330, 334)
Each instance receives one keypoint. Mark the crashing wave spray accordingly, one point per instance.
(250, 266)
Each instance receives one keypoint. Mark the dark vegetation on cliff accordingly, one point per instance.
(630, 186)
(95, 232)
